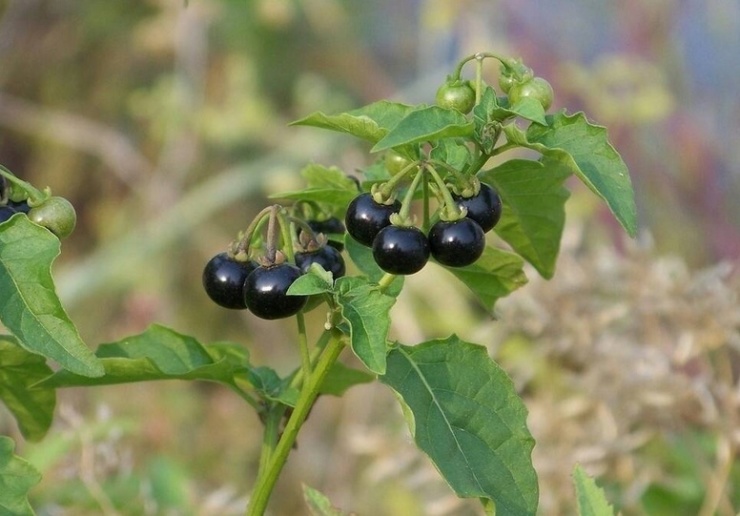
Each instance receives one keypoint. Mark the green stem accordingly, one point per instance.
(479, 56)
(303, 345)
(408, 200)
(478, 78)
(270, 437)
(451, 210)
(386, 281)
(266, 482)
(387, 188)
(425, 193)
(35, 196)
(243, 245)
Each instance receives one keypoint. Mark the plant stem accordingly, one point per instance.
(266, 482)
(386, 281)
(303, 345)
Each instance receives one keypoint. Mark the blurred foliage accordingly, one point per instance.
(166, 126)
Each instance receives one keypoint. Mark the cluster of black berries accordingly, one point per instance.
(233, 280)
(400, 249)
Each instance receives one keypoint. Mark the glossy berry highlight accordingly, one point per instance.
(365, 218)
(224, 278)
(401, 249)
(457, 243)
(265, 291)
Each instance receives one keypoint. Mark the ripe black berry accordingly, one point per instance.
(6, 212)
(328, 257)
(20, 206)
(365, 218)
(265, 291)
(330, 226)
(400, 249)
(458, 243)
(223, 280)
(484, 208)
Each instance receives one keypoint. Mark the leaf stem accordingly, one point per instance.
(266, 482)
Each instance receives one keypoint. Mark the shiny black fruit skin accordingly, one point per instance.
(265, 291)
(484, 208)
(401, 250)
(365, 218)
(330, 226)
(458, 243)
(224, 278)
(327, 256)
(6, 212)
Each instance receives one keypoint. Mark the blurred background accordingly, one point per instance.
(166, 125)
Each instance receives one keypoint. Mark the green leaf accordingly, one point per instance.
(587, 151)
(455, 154)
(529, 109)
(426, 124)
(269, 384)
(469, 420)
(485, 123)
(591, 499)
(362, 257)
(29, 306)
(33, 408)
(318, 504)
(340, 378)
(315, 281)
(371, 122)
(17, 477)
(533, 214)
(324, 185)
(496, 274)
(160, 353)
(367, 312)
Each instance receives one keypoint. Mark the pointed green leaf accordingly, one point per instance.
(529, 109)
(586, 149)
(367, 312)
(469, 420)
(324, 185)
(455, 154)
(17, 477)
(160, 353)
(318, 503)
(533, 214)
(371, 122)
(340, 378)
(33, 408)
(268, 383)
(362, 257)
(315, 281)
(29, 306)
(496, 274)
(427, 124)
(591, 499)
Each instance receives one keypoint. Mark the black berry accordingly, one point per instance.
(400, 249)
(365, 218)
(265, 291)
(328, 257)
(458, 243)
(224, 278)
(6, 212)
(484, 208)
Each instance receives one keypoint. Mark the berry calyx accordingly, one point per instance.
(265, 291)
(458, 243)
(330, 226)
(401, 249)
(224, 278)
(484, 207)
(365, 218)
